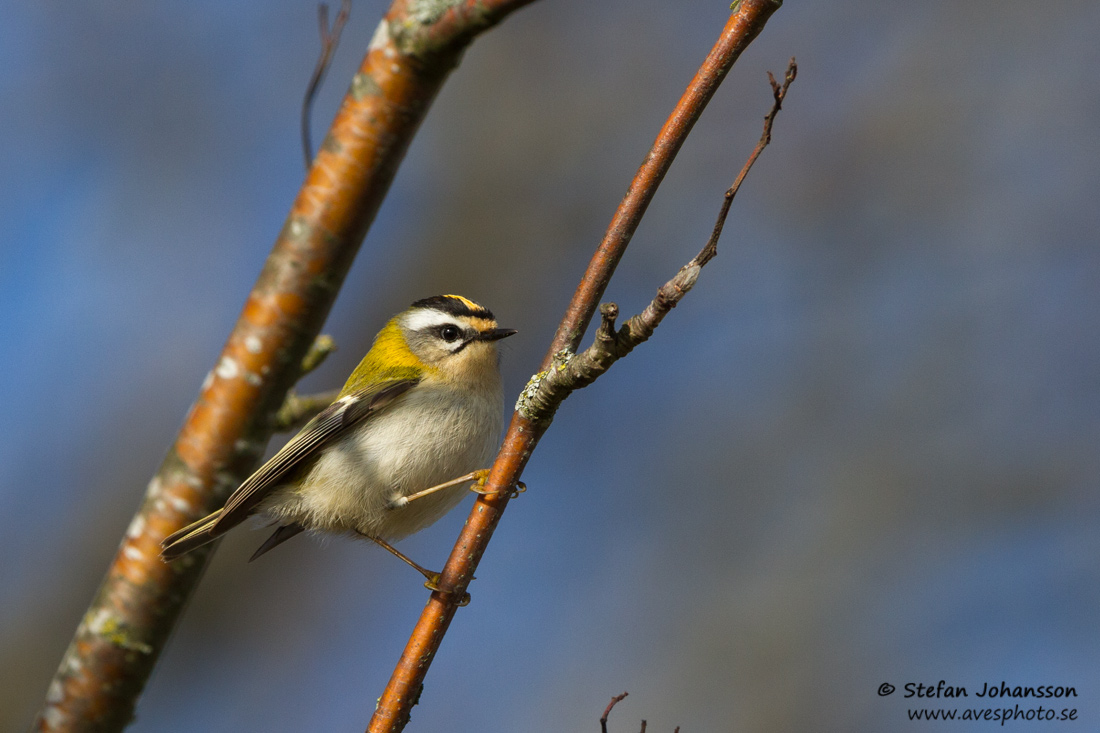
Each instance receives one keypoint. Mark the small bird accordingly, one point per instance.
(424, 406)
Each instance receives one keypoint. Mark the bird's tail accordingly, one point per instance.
(281, 535)
(193, 535)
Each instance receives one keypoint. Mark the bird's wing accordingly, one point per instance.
(330, 424)
(193, 535)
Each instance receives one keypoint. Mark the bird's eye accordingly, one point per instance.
(449, 333)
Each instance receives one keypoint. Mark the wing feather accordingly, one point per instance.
(330, 425)
(190, 537)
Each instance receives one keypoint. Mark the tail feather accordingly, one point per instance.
(278, 537)
(190, 537)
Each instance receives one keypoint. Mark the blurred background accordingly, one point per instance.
(863, 450)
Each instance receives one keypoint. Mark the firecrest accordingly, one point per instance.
(424, 406)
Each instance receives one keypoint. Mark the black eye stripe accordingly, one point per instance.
(458, 346)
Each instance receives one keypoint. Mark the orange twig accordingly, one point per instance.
(121, 636)
(394, 706)
(571, 371)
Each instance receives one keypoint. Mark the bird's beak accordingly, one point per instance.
(496, 334)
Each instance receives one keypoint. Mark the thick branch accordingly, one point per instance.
(125, 628)
(395, 704)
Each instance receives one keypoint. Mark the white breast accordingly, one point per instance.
(430, 435)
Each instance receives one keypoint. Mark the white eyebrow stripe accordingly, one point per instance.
(425, 319)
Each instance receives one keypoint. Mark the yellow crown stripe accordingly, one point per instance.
(465, 301)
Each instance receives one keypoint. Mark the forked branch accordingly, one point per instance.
(569, 372)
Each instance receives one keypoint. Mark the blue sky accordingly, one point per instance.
(862, 450)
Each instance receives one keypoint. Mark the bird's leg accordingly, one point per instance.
(478, 477)
(431, 579)
(428, 574)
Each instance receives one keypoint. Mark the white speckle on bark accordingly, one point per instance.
(180, 504)
(253, 344)
(381, 36)
(133, 553)
(54, 718)
(227, 368)
(56, 693)
(73, 665)
(137, 526)
(100, 621)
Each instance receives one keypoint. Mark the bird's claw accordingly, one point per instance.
(432, 584)
(514, 491)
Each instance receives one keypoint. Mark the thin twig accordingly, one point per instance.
(746, 21)
(568, 373)
(297, 409)
(614, 701)
(319, 350)
(330, 39)
(779, 93)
